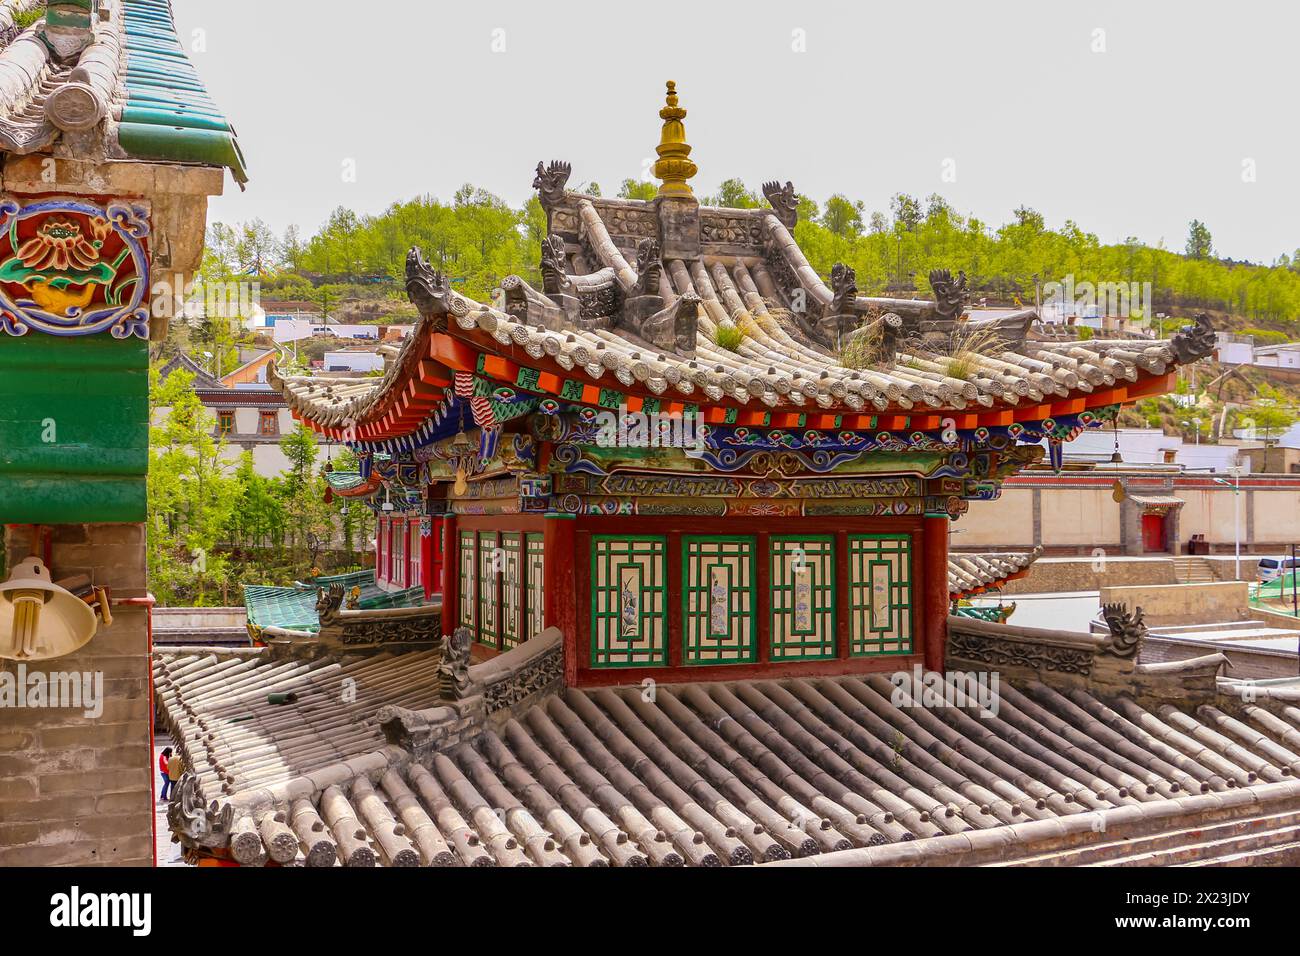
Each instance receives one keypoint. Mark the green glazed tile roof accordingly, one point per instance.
(294, 608)
(167, 112)
(344, 480)
(131, 65)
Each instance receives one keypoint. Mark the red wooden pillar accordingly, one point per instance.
(450, 573)
(763, 575)
(430, 557)
(934, 590)
(676, 604)
(843, 616)
(561, 591)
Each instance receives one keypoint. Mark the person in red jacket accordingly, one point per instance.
(162, 769)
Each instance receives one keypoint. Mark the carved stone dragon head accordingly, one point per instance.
(430, 290)
(785, 204)
(555, 278)
(1127, 631)
(550, 181)
(1194, 341)
(844, 284)
(328, 602)
(950, 294)
(648, 266)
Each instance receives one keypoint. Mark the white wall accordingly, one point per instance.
(288, 330)
(1084, 516)
(1236, 353)
(353, 361)
(1005, 523)
(268, 458)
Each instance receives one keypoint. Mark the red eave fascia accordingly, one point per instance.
(372, 484)
(408, 402)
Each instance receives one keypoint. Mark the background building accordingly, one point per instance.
(250, 415)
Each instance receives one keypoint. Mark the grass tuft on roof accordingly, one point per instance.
(728, 336)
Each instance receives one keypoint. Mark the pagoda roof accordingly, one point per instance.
(294, 608)
(203, 379)
(970, 574)
(125, 73)
(353, 484)
(770, 373)
(706, 774)
(669, 305)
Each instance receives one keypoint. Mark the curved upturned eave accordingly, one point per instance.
(333, 404)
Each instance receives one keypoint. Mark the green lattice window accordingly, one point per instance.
(468, 591)
(535, 576)
(802, 597)
(880, 594)
(629, 601)
(511, 579)
(489, 575)
(718, 600)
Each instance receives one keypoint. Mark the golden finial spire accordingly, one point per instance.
(674, 165)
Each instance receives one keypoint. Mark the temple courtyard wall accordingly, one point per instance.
(1176, 604)
(1077, 514)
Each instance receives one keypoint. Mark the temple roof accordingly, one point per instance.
(705, 774)
(294, 608)
(972, 573)
(203, 379)
(718, 309)
(771, 370)
(124, 73)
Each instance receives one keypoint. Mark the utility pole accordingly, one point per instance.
(1236, 518)
(1295, 596)
(1235, 472)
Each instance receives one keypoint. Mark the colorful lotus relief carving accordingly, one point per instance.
(73, 268)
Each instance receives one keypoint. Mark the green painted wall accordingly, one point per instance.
(74, 429)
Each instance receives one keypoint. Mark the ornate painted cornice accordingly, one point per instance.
(70, 268)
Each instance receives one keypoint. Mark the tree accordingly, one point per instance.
(1270, 418)
(219, 247)
(259, 521)
(906, 211)
(1029, 218)
(937, 208)
(292, 248)
(191, 496)
(310, 519)
(808, 209)
(1199, 243)
(257, 250)
(842, 217)
(637, 189)
(733, 194)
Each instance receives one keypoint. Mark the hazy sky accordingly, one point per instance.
(1130, 117)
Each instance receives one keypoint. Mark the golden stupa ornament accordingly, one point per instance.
(674, 166)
